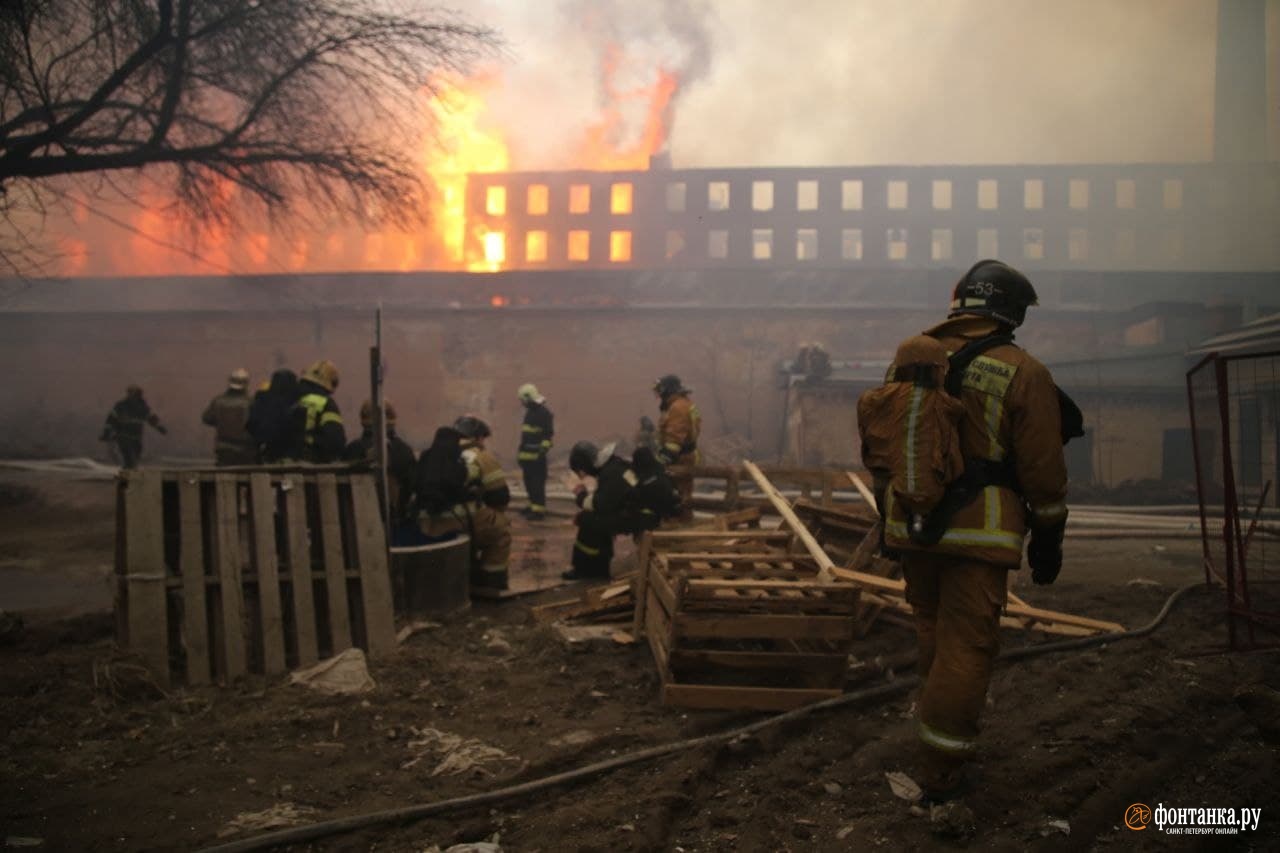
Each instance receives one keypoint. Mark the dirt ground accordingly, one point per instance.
(94, 757)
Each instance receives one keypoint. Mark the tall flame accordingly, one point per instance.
(604, 144)
(466, 145)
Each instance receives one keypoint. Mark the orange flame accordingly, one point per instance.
(466, 146)
(604, 145)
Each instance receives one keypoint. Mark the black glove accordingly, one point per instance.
(1044, 553)
(162, 429)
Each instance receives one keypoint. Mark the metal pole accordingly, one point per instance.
(379, 421)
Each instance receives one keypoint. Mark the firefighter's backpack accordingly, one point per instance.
(910, 427)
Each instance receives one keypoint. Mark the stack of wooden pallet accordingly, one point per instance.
(735, 621)
(219, 574)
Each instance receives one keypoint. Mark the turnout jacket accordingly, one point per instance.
(1011, 416)
(485, 477)
(536, 433)
(613, 500)
(678, 431)
(319, 434)
(126, 419)
(228, 414)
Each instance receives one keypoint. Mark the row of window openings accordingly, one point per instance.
(941, 246)
(621, 196)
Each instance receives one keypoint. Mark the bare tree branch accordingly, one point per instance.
(306, 106)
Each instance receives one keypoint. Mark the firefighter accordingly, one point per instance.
(228, 414)
(124, 425)
(318, 434)
(271, 416)
(678, 430)
(536, 435)
(487, 507)
(440, 486)
(1015, 475)
(401, 467)
(606, 512)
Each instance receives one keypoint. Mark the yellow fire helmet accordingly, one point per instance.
(528, 393)
(324, 374)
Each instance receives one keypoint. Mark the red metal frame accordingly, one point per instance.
(1234, 573)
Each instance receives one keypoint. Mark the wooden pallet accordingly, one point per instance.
(221, 574)
(746, 631)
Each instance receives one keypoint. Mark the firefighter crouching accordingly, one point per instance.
(441, 487)
(678, 430)
(318, 431)
(606, 512)
(1014, 481)
(536, 435)
(487, 506)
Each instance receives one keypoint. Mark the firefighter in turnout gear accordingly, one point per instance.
(124, 425)
(228, 414)
(401, 468)
(536, 434)
(1013, 482)
(606, 512)
(678, 430)
(319, 436)
(489, 497)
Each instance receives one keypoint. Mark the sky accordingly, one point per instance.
(856, 82)
(757, 83)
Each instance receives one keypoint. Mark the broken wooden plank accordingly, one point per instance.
(304, 609)
(262, 506)
(784, 509)
(375, 576)
(763, 626)
(145, 578)
(227, 548)
(195, 623)
(334, 562)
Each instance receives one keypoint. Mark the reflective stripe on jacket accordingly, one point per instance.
(536, 433)
(323, 436)
(1011, 409)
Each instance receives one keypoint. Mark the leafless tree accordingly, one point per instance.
(311, 106)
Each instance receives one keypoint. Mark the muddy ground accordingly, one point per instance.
(94, 757)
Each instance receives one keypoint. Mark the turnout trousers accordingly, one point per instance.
(535, 482)
(593, 549)
(957, 604)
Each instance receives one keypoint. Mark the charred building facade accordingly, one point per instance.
(1177, 217)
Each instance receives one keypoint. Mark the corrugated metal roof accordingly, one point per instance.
(1261, 335)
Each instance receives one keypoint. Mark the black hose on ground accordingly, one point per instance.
(297, 835)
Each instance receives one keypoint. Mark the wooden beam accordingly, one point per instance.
(334, 563)
(858, 484)
(195, 623)
(300, 576)
(262, 507)
(227, 545)
(825, 566)
(375, 576)
(145, 573)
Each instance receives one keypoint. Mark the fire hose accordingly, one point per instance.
(299, 834)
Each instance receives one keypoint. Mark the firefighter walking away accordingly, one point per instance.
(124, 425)
(966, 451)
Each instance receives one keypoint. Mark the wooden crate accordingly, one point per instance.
(745, 631)
(219, 574)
